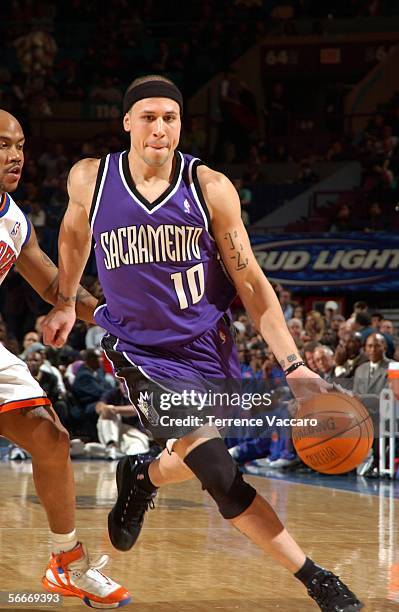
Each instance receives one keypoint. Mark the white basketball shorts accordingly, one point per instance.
(18, 388)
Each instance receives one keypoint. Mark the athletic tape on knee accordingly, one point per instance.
(220, 476)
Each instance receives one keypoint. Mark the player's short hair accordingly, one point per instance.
(149, 77)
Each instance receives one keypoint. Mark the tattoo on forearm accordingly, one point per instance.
(290, 359)
(236, 250)
(47, 261)
(67, 299)
(51, 290)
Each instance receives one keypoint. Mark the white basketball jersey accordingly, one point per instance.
(14, 233)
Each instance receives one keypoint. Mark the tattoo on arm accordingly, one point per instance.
(47, 261)
(236, 250)
(51, 290)
(290, 359)
(67, 299)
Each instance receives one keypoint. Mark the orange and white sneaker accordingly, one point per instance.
(73, 574)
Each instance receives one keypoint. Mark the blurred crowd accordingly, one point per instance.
(353, 351)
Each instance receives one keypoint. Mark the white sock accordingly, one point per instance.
(62, 542)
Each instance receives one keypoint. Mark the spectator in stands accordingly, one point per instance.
(299, 313)
(272, 371)
(336, 322)
(287, 306)
(314, 325)
(354, 355)
(255, 371)
(333, 322)
(49, 383)
(362, 324)
(387, 327)
(359, 306)
(88, 388)
(307, 352)
(376, 319)
(374, 221)
(46, 365)
(339, 359)
(29, 338)
(324, 361)
(118, 425)
(343, 221)
(388, 331)
(296, 328)
(371, 377)
(331, 308)
(94, 336)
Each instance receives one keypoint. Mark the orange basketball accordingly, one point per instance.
(339, 436)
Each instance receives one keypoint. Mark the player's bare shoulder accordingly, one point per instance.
(216, 188)
(82, 180)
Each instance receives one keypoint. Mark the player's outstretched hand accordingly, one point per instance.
(304, 384)
(57, 326)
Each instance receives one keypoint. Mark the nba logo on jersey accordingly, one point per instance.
(15, 229)
(186, 206)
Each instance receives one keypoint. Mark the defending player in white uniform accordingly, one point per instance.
(26, 415)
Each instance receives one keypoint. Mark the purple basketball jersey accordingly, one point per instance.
(159, 267)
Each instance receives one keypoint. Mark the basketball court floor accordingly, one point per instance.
(189, 560)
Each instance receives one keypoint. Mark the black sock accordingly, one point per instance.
(144, 479)
(307, 571)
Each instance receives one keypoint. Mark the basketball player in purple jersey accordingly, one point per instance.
(159, 219)
(26, 415)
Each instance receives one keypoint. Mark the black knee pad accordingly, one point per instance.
(220, 476)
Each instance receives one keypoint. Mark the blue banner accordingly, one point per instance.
(325, 262)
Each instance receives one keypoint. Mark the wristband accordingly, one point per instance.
(294, 367)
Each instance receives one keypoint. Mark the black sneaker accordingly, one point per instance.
(126, 517)
(331, 594)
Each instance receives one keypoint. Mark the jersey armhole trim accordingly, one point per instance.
(28, 231)
(100, 180)
(199, 196)
(4, 204)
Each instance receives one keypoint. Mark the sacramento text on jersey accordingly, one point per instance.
(145, 244)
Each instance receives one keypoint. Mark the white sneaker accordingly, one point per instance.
(281, 463)
(94, 450)
(76, 447)
(263, 462)
(17, 454)
(72, 574)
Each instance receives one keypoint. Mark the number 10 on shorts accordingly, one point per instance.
(192, 279)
